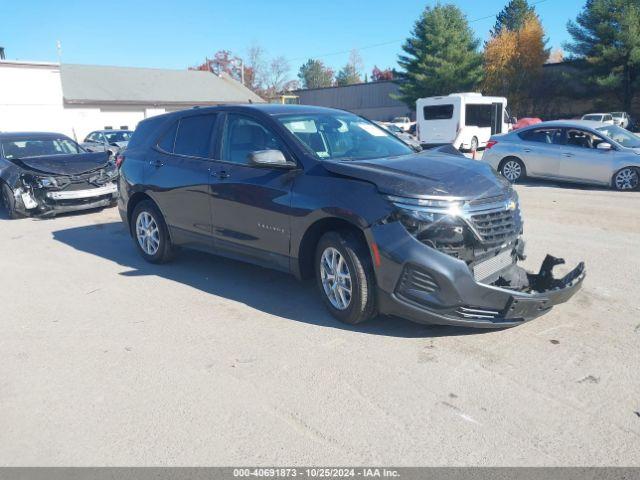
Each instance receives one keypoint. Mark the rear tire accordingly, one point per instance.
(150, 233)
(9, 202)
(347, 284)
(512, 169)
(627, 178)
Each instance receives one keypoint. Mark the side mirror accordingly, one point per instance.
(513, 120)
(269, 158)
(604, 146)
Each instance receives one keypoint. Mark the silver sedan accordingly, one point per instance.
(573, 151)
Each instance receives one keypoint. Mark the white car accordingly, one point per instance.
(605, 118)
(403, 123)
(621, 118)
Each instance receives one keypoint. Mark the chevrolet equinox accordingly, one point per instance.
(430, 236)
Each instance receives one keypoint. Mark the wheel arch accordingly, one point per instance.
(133, 202)
(303, 265)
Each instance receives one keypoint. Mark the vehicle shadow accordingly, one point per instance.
(266, 290)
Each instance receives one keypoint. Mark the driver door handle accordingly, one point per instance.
(222, 174)
(567, 154)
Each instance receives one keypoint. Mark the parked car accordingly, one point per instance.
(578, 151)
(48, 173)
(622, 119)
(464, 120)
(429, 236)
(599, 117)
(403, 123)
(406, 137)
(112, 141)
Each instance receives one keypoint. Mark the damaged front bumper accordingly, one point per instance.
(425, 285)
(37, 195)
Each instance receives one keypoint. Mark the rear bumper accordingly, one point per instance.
(426, 286)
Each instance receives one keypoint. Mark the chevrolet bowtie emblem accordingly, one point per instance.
(511, 205)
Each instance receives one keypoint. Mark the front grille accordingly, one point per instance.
(496, 227)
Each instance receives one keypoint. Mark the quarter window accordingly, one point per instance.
(194, 136)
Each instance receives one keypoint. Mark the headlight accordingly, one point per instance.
(422, 215)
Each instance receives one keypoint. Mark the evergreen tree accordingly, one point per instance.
(440, 57)
(314, 74)
(512, 16)
(606, 35)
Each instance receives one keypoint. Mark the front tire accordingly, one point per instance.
(627, 178)
(9, 201)
(150, 233)
(345, 278)
(513, 169)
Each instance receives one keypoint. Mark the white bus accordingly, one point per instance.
(464, 120)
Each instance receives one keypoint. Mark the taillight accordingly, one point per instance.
(119, 160)
(490, 144)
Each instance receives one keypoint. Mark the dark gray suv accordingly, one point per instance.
(430, 236)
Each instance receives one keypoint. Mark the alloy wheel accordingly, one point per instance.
(512, 170)
(336, 278)
(147, 233)
(627, 179)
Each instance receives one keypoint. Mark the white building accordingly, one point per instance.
(77, 99)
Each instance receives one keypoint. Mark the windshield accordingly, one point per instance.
(597, 118)
(621, 136)
(35, 148)
(343, 137)
(117, 136)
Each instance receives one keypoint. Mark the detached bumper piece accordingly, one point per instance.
(78, 194)
(517, 296)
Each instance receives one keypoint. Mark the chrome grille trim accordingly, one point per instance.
(477, 313)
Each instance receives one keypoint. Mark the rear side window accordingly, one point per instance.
(438, 112)
(478, 115)
(194, 136)
(543, 135)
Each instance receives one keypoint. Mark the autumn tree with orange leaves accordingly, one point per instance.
(513, 61)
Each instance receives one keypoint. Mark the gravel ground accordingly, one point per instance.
(108, 360)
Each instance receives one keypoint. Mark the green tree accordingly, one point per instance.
(606, 35)
(347, 76)
(441, 56)
(512, 16)
(314, 74)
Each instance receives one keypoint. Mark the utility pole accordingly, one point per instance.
(59, 50)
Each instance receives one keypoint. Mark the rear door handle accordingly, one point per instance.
(567, 154)
(527, 150)
(155, 163)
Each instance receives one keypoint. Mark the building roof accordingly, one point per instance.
(82, 84)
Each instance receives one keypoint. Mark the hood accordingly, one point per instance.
(73, 164)
(426, 173)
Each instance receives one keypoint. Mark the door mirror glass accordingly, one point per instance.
(604, 146)
(269, 158)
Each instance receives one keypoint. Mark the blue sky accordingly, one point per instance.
(179, 34)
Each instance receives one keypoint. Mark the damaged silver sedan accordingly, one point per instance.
(44, 174)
